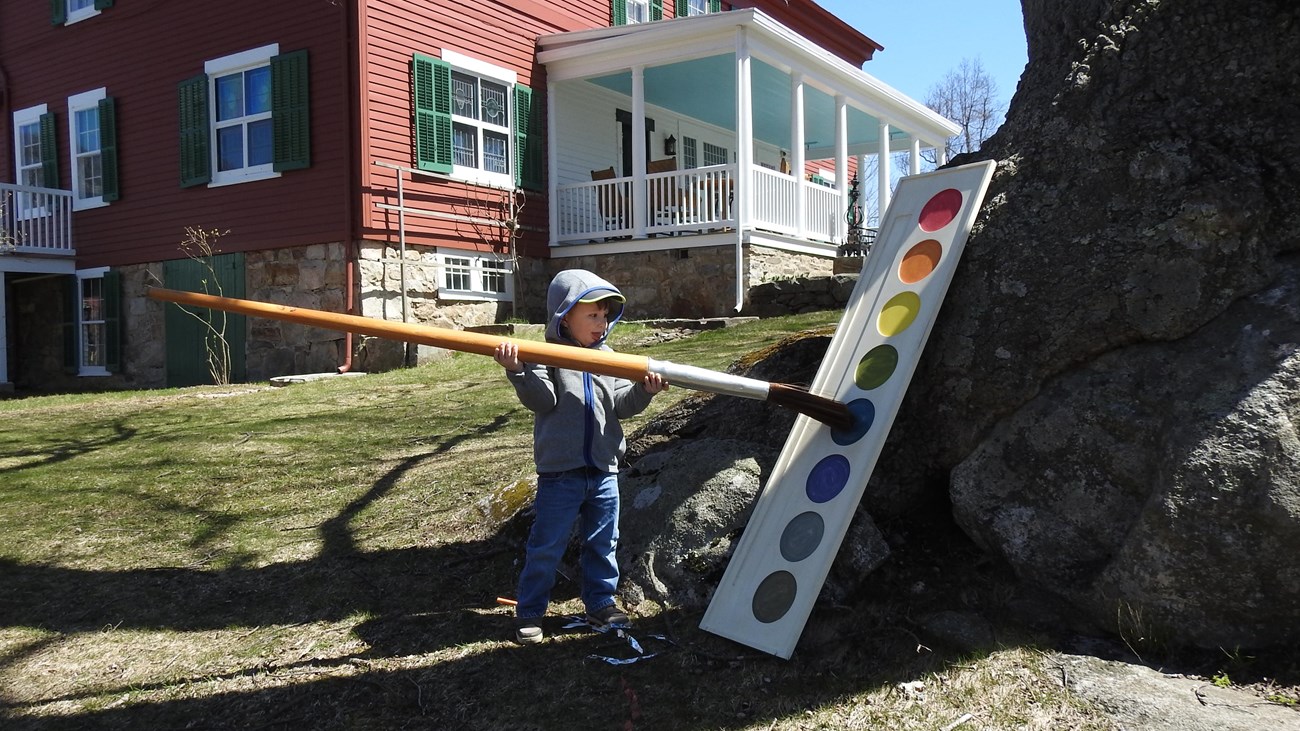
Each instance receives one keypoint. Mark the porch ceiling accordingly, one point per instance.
(705, 89)
(689, 68)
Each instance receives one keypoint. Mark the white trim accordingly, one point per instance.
(475, 293)
(82, 368)
(224, 66)
(84, 101)
(21, 118)
(497, 74)
(75, 16)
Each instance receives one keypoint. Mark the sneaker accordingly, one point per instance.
(608, 616)
(527, 631)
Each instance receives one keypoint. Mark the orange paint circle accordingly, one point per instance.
(919, 261)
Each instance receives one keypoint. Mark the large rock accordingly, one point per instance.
(1148, 184)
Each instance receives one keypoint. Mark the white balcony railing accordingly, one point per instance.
(699, 200)
(35, 220)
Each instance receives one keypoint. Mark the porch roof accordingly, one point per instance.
(689, 64)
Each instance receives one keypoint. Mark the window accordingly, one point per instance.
(697, 7)
(67, 12)
(35, 156)
(92, 140)
(714, 155)
(466, 275)
(92, 341)
(623, 12)
(465, 126)
(245, 118)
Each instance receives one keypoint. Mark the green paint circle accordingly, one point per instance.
(876, 367)
(774, 596)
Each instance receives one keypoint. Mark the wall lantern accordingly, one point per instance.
(670, 146)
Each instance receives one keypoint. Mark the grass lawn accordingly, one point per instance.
(326, 556)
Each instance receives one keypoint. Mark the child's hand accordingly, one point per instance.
(507, 356)
(654, 383)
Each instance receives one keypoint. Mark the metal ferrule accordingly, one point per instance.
(703, 379)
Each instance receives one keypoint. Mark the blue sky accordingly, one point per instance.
(925, 39)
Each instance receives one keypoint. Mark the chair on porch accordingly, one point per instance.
(613, 204)
(665, 199)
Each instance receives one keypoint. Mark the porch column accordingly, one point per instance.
(797, 149)
(914, 163)
(741, 206)
(552, 165)
(941, 153)
(638, 151)
(882, 172)
(4, 336)
(842, 165)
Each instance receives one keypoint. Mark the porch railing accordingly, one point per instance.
(699, 200)
(35, 220)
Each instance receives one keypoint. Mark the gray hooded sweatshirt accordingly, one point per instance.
(576, 414)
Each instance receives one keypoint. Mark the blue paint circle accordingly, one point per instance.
(828, 478)
(864, 413)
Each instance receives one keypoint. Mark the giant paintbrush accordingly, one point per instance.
(621, 365)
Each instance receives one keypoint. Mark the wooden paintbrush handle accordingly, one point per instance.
(621, 365)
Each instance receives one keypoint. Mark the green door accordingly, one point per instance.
(189, 340)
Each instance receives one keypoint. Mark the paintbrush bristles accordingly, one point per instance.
(828, 411)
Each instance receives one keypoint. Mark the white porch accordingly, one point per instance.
(726, 126)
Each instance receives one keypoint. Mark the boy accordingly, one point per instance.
(577, 444)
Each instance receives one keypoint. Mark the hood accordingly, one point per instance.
(572, 286)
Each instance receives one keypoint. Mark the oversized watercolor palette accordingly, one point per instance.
(799, 521)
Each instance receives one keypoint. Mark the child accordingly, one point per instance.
(577, 444)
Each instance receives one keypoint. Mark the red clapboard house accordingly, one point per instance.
(432, 162)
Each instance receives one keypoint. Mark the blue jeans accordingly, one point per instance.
(591, 496)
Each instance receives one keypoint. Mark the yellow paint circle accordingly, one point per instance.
(898, 313)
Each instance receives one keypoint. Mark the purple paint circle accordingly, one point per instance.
(774, 596)
(864, 413)
(828, 478)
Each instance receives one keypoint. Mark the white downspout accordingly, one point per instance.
(882, 172)
(842, 166)
(744, 157)
(552, 164)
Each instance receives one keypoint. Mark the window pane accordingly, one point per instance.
(697, 7)
(494, 104)
(638, 11)
(456, 273)
(75, 5)
(464, 145)
(494, 276)
(257, 90)
(92, 344)
(230, 97)
(259, 142)
(92, 299)
(230, 147)
(495, 152)
(90, 172)
(29, 140)
(87, 121)
(714, 155)
(464, 95)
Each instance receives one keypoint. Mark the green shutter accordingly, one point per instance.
(103, 4)
(58, 12)
(529, 161)
(108, 147)
(112, 321)
(49, 152)
(431, 109)
(290, 112)
(71, 304)
(680, 8)
(715, 6)
(196, 165)
(618, 12)
(656, 9)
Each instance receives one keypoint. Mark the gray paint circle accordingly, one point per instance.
(801, 536)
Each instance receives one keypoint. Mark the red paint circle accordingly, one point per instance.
(940, 210)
